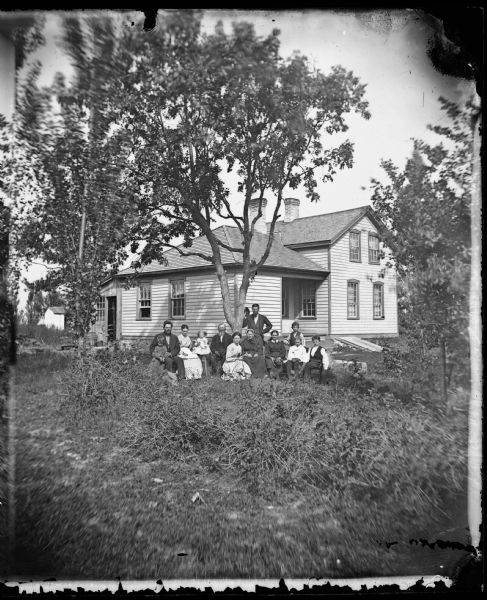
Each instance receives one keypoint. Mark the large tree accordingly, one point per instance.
(427, 209)
(71, 211)
(197, 105)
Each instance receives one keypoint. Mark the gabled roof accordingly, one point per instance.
(279, 256)
(57, 310)
(327, 228)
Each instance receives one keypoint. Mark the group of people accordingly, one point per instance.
(237, 356)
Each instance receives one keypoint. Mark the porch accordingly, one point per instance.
(304, 300)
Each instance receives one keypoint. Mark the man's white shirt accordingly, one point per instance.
(298, 352)
(324, 353)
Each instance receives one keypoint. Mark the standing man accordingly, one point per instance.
(218, 347)
(259, 323)
(170, 359)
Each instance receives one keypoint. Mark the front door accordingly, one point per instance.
(111, 318)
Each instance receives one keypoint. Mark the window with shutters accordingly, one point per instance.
(378, 299)
(144, 306)
(373, 249)
(354, 238)
(352, 299)
(177, 298)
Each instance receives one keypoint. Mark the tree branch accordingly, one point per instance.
(206, 257)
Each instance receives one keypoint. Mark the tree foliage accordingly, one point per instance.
(71, 211)
(197, 105)
(427, 209)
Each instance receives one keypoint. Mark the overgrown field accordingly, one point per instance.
(296, 480)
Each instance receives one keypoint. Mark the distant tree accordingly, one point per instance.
(71, 211)
(427, 209)
(199, 104)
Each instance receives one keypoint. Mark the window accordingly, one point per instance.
(355, 246)
(177, 298)
(144, 301)
(373, 248)
(352, 300)
(308, 300)
(100, 308)
(378, 298)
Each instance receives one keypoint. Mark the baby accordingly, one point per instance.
(202, 349)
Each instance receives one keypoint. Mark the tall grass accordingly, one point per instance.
(357, 447)
(43, 334)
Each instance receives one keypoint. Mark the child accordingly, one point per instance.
(202, 349)
(291, 340)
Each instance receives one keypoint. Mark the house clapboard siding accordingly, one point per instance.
(366, 274)
(265, 290)
(203, 306)
(318, 255)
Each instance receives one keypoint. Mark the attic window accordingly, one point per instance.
(355, 246)
(373, 249)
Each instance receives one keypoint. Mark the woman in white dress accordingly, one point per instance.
(234, 368)
(192, 363)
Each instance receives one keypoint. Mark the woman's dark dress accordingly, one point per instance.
(256, 363)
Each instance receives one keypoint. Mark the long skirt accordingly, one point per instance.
(235, 370)
(257, 365)
(193, 368)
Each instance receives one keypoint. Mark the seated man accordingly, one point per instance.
(275, 354)
(218, 348)
(318, 359)
(168, 358)
(296, 359)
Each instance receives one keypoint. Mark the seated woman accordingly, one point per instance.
(252, 354)
(192, 363)
(291, 340)
(234, 368)
(297, 357)
(318, 359)
(275, 355)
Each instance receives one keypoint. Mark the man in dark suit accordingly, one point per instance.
(168, 347)
(218, 347)
(259, 323)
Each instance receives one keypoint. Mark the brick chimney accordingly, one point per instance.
(260, 224)
(291, 209)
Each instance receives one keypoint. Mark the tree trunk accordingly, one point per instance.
(77, 303)
(475, 331)
(228, 310)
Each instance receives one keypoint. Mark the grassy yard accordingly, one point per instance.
(295, 480)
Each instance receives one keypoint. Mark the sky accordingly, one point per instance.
(387, 50)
